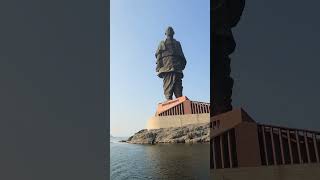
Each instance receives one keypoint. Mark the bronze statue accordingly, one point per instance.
(170, 64)
(226, 14)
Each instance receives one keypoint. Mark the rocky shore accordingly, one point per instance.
(196, 133)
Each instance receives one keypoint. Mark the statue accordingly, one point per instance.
(170, 64)
(226, 14)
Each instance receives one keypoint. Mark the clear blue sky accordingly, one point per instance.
(136, 29)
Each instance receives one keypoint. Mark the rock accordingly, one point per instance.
(195, 133)
(129, 139)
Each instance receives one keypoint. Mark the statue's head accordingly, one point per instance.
(169, 32)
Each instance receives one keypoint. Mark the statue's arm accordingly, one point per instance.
(159, 49)
(183, 58)
(159, 63)
(158, 57)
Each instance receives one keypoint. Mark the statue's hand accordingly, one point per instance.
(158, 67)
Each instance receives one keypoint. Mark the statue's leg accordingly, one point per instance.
(168, 85)
(178, 85)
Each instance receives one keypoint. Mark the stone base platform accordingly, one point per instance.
(158, 122)
(179, 112)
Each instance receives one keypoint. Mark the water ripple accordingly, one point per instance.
(164, 161)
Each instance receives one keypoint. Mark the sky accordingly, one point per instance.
(275, 65)
(136, 28)
(276, 62)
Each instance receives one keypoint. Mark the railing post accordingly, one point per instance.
(307, 146)
(281, 145)
(273, 148)
(221, 149)
(289, 144)
(214, 153)
(229, 148)
(265, 145)
(298, 145)
(315, 146)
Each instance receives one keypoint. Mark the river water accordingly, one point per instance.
(161, 161)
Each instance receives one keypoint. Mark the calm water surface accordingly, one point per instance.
(164, 161)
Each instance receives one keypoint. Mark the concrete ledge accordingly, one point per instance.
(283, 172)
(158, 122)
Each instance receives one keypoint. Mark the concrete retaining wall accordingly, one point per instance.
(157, 122)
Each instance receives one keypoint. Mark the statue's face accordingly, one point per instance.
(169, 32)
(169, 36)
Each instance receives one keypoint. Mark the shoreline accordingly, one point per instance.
(189, 134)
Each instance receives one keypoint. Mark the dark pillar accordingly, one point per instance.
(225, 14)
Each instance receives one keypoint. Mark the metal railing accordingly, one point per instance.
(223, 152)
(176, 110)
(200, 107)
(279, 145)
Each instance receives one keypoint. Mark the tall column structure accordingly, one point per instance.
(225, 15)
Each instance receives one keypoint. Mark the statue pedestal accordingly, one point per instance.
(179, 112)
(241, 148)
